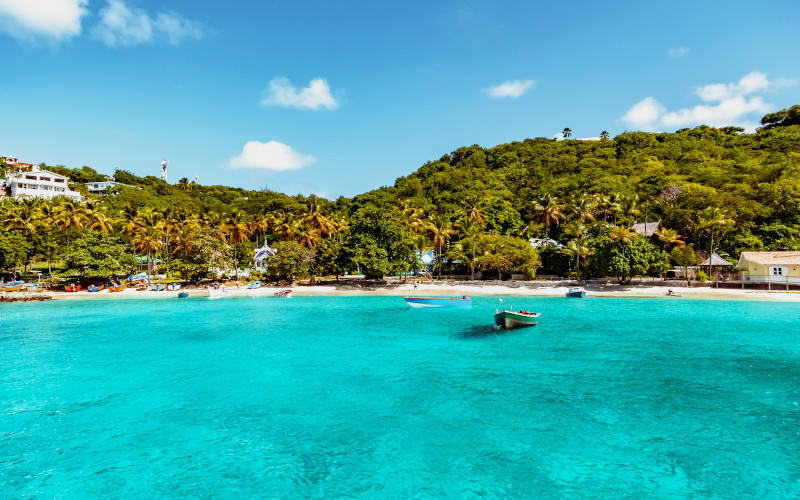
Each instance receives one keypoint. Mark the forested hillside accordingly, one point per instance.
(474, 207)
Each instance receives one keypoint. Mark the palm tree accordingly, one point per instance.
(474, 209)
(129, 216)
(24, 217)
(622, 234)
(185, 236)
(439, 230)
(71, 216)
(47, 217)
(470, 229)
(575, 229)
(548, 211)
(671, 237)
(284, 226)
(96, 218)
(149, 240)
(237, 229)
(184, 184)
(604, 135)
(317, 220)
(567, 132)
(714, 217)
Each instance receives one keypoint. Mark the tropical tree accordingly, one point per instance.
(548, 211)
(604, 135)
(439, 230)
(684, 257)
(567, 133)
(713, 218)
(236, 228)
(671, 237)
(148, 240)
(71, 216)
(184, 184)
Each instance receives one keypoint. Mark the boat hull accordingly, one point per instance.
(513, 320)
(450, 303)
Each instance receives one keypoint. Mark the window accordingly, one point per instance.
(31, 177)
(60, 180)
(777, 271)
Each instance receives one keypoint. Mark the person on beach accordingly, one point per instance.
(415, 285)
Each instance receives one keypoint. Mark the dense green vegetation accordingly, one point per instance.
(474, 207)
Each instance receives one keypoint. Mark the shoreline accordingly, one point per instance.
(453, 289)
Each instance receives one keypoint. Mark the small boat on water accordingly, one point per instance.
(174, 286)
(449, 302)
(511, 320)
(72, 287)
(576, 292)
(182, 295)
(286, 294)
(254, 285)
(95, 287)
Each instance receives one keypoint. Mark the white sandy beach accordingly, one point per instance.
(458, 289)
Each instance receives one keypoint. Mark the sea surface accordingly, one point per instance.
(363, 397)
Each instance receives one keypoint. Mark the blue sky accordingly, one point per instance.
(337, 98)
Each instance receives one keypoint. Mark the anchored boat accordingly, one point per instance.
(576, 292)
(286, 294)
(511, 320)
(451, 302)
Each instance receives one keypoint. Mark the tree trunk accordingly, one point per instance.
(472, 264)
(711, 254)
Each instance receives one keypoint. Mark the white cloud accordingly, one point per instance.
(123, 26)
(317, 95)
(728, 104)
(748, 84)
(644, 114)
(679, 52)
(55, 19)
(270, 155)
(513, 89)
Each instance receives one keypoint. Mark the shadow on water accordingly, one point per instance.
(483, 331)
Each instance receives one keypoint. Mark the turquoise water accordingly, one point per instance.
(362, 397)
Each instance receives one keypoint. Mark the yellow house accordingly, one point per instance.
(772, 267)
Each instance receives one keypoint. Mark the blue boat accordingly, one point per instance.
(254, 285)
(448, 302)
(182, 295)
(576, 292)
(158, 287)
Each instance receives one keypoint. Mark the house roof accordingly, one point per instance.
(716, 260)
(771, 258)
(652, 228)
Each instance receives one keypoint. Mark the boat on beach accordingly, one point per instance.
(174, 286)
(158, 287)
(117, 287)
(511, 320)
(448, 302)
(254, 285)
(12, 286)
(576, 292)
(72, 287)
(95, 287)
(136, 278)
(285, 294)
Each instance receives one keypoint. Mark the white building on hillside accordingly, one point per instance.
(29, 181)
(100, 187)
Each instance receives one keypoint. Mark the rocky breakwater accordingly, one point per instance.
(24, 296)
